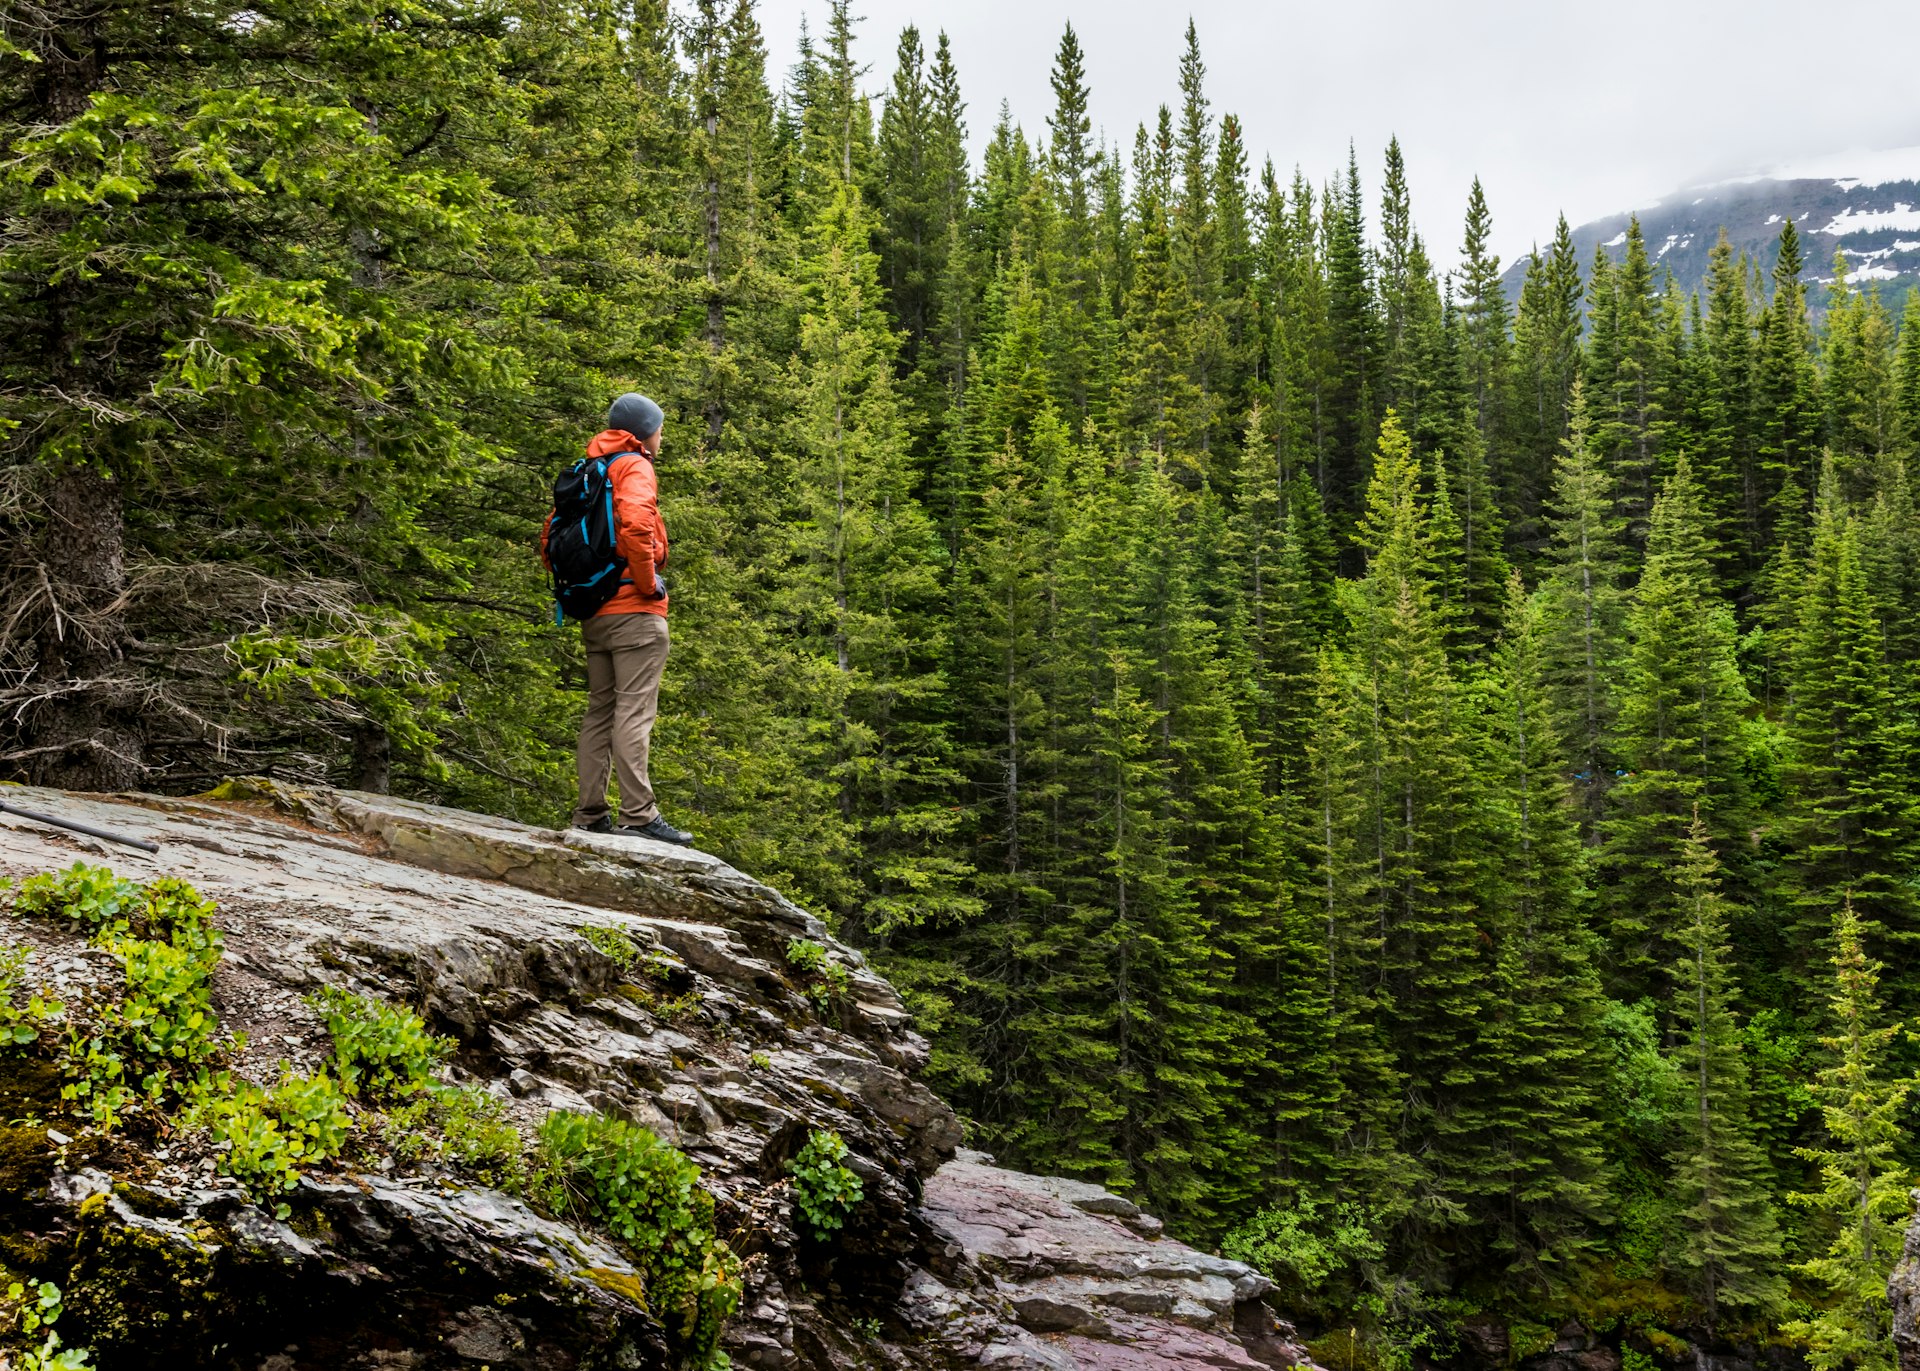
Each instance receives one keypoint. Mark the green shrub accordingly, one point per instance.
(173, 912)
(269, 1135)
(805, 955)
(21, 1025)
(648, 1195)
(459, 1126)
(160, 1033)
(39, 1311)
(615, 943)
(823, 1188)
(383, 1049)
(91, 896)
(1302, 1245)
(829, 981)
(1527, 1340)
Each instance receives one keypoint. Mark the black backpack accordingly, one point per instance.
(581, 548)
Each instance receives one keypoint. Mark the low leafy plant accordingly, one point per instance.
(615, 943)
(460, 1126)
(269, 1135)
(382, 1049)
(39, 1308)
(648, 1195)
(805, 955)
(760, 1061)
(145, 1045)
(91, 896)
(21, 1025)
(171, 911)
(825, 1190)
(829, 979)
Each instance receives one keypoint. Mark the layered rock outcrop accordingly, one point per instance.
(1903, 1293)
(734, 1054)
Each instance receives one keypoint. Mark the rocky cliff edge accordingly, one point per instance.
(736, 1056)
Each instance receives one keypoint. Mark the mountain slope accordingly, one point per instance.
(1866, 206)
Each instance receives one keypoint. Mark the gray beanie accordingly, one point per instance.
(636, 414)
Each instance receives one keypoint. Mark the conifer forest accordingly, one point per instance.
(1416, 786)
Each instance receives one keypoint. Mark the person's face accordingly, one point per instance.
(654, 443)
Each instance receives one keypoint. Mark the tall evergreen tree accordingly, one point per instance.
(863, 587)
(1548, 1192)
(1679, 733)
(1864, 1181)
(1728, 1244)
(1585, 628)
(1546, 365)
(1849, 824)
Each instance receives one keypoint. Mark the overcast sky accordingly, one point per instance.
(1590, 109)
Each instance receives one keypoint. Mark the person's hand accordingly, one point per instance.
(659, 587)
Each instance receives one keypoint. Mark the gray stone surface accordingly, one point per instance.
(715, 1044)
(1903, 1291)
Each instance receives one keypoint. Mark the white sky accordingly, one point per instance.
(1591, 109)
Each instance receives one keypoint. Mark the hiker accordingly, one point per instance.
(622, 606)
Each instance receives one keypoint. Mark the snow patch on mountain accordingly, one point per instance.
(1850, 221)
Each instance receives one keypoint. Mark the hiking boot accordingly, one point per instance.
(603, 824)
(659, 830)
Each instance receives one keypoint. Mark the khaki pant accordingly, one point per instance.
(626, 653)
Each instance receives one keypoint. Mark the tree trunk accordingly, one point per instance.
(85, 736)
(372, 757)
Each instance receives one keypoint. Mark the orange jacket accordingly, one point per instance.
(639, 534)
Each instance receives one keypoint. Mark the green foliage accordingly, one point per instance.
(827, 980)
(268, 1135)
(22, 1024)
(91, 896)
(1057, 611)
(1314, 1250)
(145, 1045)
(615, 943)
(380, 1049)
(39, 1309)
(461, 1127)
(824, 1189)
(1865, 1183)
(648, 1195)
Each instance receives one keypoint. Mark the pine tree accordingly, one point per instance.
(1414, 816)
(1906, 369)
(1547, 1190)
(1626, 384)
(1679, 730)
(1857, 381)
(1728, 1247)
(862, 585)
(1729, 345)
(1485, 325)
(1849, 825)
(1546, 365)
(1786, 398)
(1075, 278)
(1585, 610)
(1865, 1182)
(912, 233)
(1353, 351)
